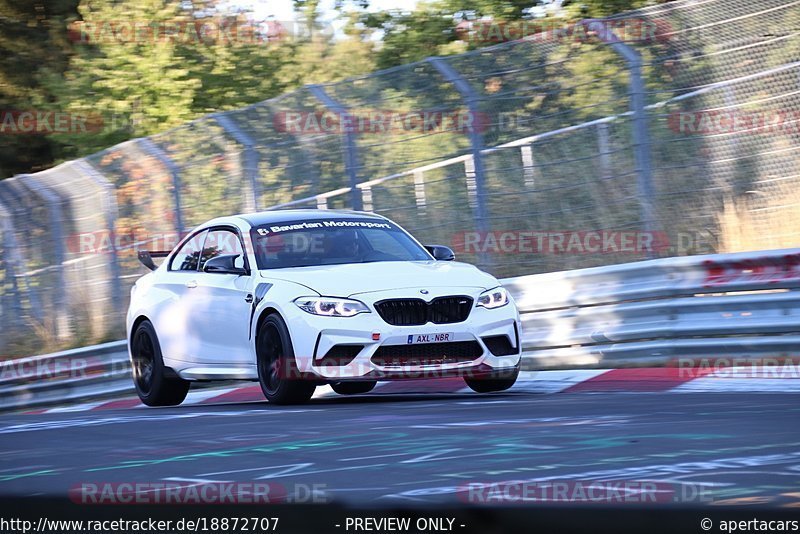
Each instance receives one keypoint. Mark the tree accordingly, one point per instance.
(441, 27)
(213, 59)
(34, 45)
(140, 81)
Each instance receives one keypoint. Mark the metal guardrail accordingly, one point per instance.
(85, 374)
(648, 313)
(742, 305)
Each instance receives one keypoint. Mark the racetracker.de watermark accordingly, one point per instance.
(105, 241)
(48, 368)
(735, 121)
(177, 492)
(44, 122)
(500, 242)
(560, 242)
(640, 30)
(380, 122)
(739, 367)
(613, 492)
(209, 31)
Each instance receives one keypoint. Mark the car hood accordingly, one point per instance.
(356, 278)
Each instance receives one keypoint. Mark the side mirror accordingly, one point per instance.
(441, 252)
(224, 264)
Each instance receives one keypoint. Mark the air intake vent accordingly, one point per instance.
(427, 353)
(499, 345)
(340, 355)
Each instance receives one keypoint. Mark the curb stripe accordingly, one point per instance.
(661, 379)
(120, 403)
(553, 381)
(242, 394)
(657, 379)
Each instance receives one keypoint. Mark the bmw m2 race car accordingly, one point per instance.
(300, 298)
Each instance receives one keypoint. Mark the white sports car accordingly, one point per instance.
(299, 298)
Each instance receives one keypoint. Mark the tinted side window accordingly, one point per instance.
(188, 257)
(386, 243)
(220, 242)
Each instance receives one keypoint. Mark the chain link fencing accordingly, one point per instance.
(671, 130)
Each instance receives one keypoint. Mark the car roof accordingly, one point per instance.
(279, 216)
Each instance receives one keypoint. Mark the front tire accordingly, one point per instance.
(277, 370)
(153, 385)
(498, 381)
(353, 388)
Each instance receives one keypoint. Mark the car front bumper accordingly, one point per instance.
(314, 337)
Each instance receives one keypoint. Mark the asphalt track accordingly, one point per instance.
(737, 449)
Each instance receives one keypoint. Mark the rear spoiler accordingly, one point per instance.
(146, 257)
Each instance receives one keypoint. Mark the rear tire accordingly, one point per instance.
(353, 388)
(277, 370)
(150, 378)
(498, 381)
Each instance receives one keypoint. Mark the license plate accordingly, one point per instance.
(413, 339)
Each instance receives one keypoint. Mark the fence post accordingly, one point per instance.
(12, 300)
(111, 213)
(366, 197)
(14, 253)
(641, 132)
(419, 191)
(32, 184)
(528, 166)
(604, 150)
(351, 164)
(250, 158)
(150, 148)
(477, 168)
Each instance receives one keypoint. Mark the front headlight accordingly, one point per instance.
(331, 306)
(494, 298)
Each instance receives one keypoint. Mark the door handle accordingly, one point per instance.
(191, 284)
(249, 298)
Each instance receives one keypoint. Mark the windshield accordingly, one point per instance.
(332, 242)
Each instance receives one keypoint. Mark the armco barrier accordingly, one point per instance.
(87, 373)
(648, 313)
(651, 312)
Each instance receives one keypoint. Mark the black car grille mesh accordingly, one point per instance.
(410, 312)
(427, 353)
